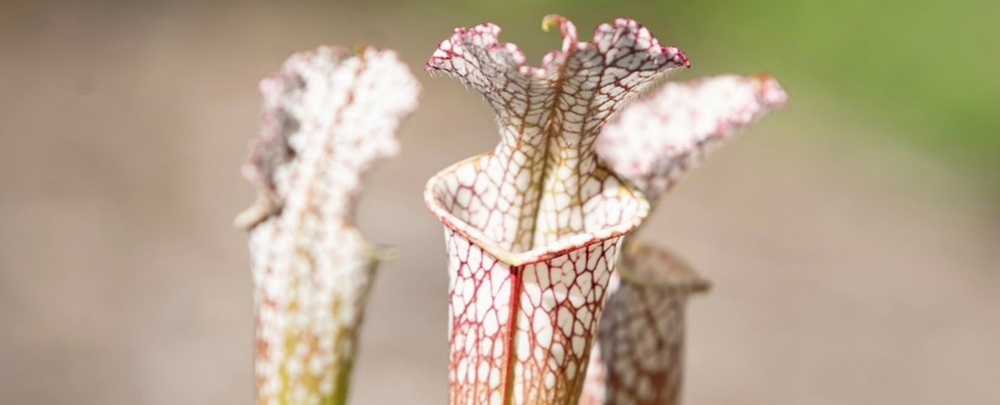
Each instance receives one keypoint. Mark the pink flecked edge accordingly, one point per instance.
(567, 30)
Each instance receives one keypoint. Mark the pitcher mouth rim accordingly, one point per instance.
(539, 254)
(688, 281)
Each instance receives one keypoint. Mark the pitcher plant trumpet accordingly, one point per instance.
(534, 227)
(327, 116)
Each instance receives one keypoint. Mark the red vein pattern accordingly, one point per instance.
(654, 143)
(533, 227)
(327, 116)
(642, 331)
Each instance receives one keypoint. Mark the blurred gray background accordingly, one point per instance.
(852, 238)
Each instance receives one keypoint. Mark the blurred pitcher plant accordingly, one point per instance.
(653, 143)
(327, 116)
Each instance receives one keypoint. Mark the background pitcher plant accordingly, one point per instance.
(327, 116)
(654, 143)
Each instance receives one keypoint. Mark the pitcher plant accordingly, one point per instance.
(533, 228)
(327, 116)
(654, 143)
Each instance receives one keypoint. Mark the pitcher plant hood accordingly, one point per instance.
(326, 117)
(664, 134)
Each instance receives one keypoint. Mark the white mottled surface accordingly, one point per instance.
(666, 133)
(327, 117)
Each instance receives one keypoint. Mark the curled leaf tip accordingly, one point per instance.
(679, 57)
(262, 208)
(359, 49)
(769, 91)
(566, 29)
(551, 20)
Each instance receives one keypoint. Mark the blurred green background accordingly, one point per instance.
(851, 237)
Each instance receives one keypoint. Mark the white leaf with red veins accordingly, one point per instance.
(327, 116)
(533, 227)
(661, 136)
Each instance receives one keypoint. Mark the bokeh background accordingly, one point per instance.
(853, 238)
